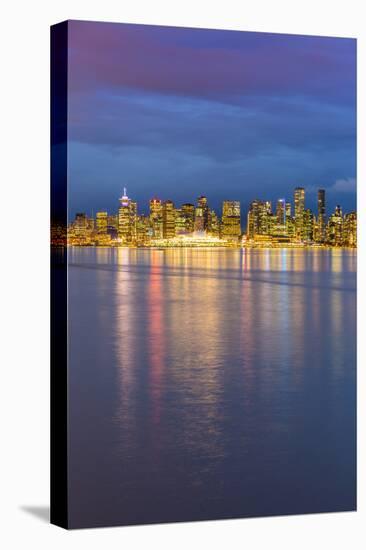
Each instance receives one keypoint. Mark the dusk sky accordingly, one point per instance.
(176, 113)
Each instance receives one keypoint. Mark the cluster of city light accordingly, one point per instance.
(198, 225)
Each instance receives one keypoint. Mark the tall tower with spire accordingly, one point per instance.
(127, 219)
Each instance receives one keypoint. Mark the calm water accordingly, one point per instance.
(210, 383)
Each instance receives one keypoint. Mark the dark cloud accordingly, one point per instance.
(163, 108)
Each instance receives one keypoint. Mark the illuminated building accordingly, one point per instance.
(90, 224)
(290, 227)
(188, 213)
(80, 225)
(214, 225)
(308, 225)
(204, 211)
(127, 218)
(180, 222)
(350, 229)
(102, 222)
(259, 218)
(112, 226)
(168, 220)
(80, 232)
(334, 230)
(231, 225)
(199, 222)
(299, 199)
(156, 218)
(196, 240)
(288, 210)
(281, 212)
(142, 230)
(321, 216)
(253, 219)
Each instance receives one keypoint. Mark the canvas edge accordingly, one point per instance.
(58, 268)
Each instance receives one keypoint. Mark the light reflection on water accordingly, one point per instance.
(210, 383)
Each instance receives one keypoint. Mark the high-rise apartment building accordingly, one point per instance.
(168, 220)
(350, 229)
(231, 224)
(281, 211)
(127, 219)
(102, 222)
(334, 230)
(156, 218)
(299, 200)
(259, 220)
(188, 213)
(321, 216)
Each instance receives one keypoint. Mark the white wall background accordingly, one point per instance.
(24, 374)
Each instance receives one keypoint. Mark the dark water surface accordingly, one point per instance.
(210, 383)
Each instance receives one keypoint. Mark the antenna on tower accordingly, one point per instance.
(124, 192)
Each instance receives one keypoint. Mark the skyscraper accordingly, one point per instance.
(299, 200)
(180, 222)
(321, 215)
(168, 220)
(350, 229)
(334, 232)
(102, 222)
(280, 211)
(156, 218)
(127, 219)
(259, 218)
(203, 208)
(308, 225)
(199, 222)
(231, 226)
(214, 225)
(188, 213)
(80, 224)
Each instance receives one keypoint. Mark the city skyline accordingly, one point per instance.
(238, 111)
(264, 224)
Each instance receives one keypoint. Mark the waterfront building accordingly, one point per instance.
(80, 225)
(231, 223)
(308, 225)
(198, 220)
(102, 222)
(288, 210)
(281, 211)
(299, 200)
(214, 224)
(180, 222)
(168, 220)
(80, 231)
(204, 211)
(350, 229)
(127, 219)
(188, 211)
(334, 230)
(142, 230)
(321, 216)
(156, 218)
(290, 227)
(260, 219)
(112, 226)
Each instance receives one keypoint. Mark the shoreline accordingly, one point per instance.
(290, 247)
